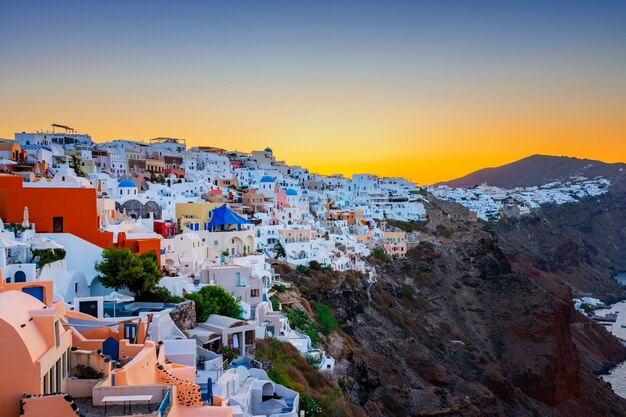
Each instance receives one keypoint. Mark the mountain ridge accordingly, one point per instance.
(537, 170)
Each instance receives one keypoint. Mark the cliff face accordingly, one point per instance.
(581, 245)
(460, 328)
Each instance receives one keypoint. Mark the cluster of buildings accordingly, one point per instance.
(212, 218)
(490, 202)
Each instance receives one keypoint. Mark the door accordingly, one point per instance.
(57, 224)
(111, 347)
(36, 292)
(20, 276)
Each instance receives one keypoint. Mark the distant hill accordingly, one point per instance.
(537, 170)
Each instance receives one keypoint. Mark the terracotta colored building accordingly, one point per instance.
(52, 209)
(63, 210)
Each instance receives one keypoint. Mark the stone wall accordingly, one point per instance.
(187, 392)
(184, 315)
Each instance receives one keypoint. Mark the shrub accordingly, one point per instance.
(406, 291)
(228, 352)
(587, 308)
(314, 265)
(309, 405)
(214, 300)
(280, 288)
(299, 319)
(302, 269)
(326, 320)
(275, 302)
(160, 295)
(47, 256)
(379, 253)
(86, 372)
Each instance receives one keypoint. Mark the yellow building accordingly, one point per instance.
(194, 213)
(395, 244)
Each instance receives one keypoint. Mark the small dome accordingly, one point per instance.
(126, 183)
(292, 192)
(268, 150)
(267, 178)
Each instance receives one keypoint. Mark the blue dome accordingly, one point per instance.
(267, 178)
(291, 191)
(268, 150)
(126, 183)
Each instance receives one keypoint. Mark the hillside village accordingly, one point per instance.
(211, 218)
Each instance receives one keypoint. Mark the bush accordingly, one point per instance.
(379, 253)
(309, 405)
(160, 295)
(587, 308)
(313, 361)
(302, 269)
(47, 256)
(279, 288)
(86, 372)
(229, 353)
(275, 302)
(406, 292)
(299, 319)
(326, 320)
(214, 300)
(314, 265)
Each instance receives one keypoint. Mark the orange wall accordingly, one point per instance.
(141, 370)
(140, 246)
(77, 206)
(20, 375)
(42, 406)
(48, 295)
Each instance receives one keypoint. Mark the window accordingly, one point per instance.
(57, 336)
(254, 292)
(76, 288)
(45, 384)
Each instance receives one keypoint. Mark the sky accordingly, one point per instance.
(425, 90)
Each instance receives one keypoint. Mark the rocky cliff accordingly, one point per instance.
(582, 245)
(461, 328)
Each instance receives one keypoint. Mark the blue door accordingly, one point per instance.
(20, 276)
(36, 292)
(111, 347)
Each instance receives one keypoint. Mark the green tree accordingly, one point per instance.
(151, 274)
(214, 300)
(120, 268)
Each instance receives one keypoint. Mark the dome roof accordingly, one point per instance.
(268, 150)
(267, 178)
(126, 183)
(291, 191)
